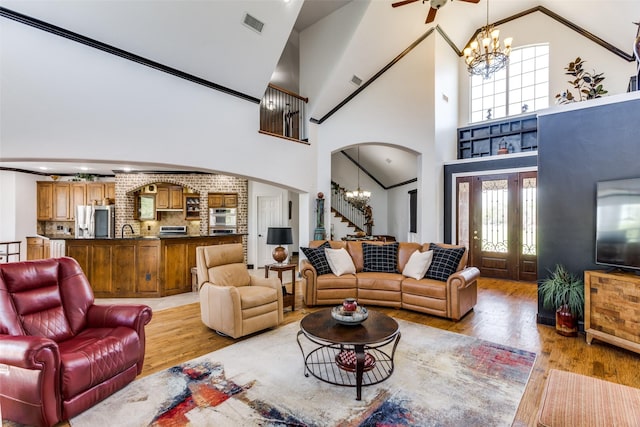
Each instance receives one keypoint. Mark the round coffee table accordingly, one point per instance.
(349, 355)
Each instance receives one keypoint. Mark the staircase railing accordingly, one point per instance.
(352, 213)
(283, 114)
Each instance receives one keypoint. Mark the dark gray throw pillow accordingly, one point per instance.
(318, 258)
(445, 262)
(380, 258)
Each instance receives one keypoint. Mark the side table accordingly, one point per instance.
(287, 298)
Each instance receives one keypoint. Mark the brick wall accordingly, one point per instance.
(202, 184)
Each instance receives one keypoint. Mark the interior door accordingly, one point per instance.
(497, 222)
(269, 215)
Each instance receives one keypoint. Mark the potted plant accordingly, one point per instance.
(588, 85)
(564, 291)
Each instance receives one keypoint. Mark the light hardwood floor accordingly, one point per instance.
(505, 314)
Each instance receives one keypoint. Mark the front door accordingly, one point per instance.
(497, 222)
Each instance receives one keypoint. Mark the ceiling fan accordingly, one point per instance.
(435, 5)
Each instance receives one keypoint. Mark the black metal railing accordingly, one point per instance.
(358, 217)
(283, 113)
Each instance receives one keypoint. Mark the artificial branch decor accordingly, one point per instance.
(588, 85)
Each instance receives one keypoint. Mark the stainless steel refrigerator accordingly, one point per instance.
(95, 222)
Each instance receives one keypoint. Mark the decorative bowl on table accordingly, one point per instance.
(349, 318)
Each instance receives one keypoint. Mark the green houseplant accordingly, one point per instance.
(564, 291)
(588, 85)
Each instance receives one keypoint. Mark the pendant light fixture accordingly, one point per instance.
(359, 198)
(485, 56)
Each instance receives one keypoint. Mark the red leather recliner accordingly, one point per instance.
(59, 352)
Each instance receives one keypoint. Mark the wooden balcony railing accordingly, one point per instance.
(283, 114)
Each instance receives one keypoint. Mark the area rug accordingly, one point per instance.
(440, 379)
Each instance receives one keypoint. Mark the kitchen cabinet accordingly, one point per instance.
(110, 191)
(169, 197)
(223, 200)
(61, 200)
(145, 207)
(37, 248)
(44, 191)
(57, 201)
(77, 197)
(95, 193)
(119, 267)
(140, 267)
(191, 207)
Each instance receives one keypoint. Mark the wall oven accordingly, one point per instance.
(222, 221)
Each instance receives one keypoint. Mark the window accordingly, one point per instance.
(413, 211)
(521, 87)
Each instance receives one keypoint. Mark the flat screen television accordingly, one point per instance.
(618, 223)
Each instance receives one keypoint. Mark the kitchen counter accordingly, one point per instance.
(141, 266)
(135, 237)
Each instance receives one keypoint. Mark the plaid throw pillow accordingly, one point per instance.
(380, 258)
(317, 258)
(445, 262)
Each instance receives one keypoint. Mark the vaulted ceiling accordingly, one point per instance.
(209, 40)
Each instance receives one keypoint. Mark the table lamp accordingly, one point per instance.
(279, 236)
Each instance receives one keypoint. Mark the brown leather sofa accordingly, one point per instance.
(451, 299)
(59, 352)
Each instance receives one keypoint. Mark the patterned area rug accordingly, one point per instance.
(440, 379)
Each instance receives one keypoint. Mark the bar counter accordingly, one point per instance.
(140, 266)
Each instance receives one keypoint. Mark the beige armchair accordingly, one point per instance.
(232, 301)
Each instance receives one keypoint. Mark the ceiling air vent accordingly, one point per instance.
(356, 80)
(253, 23)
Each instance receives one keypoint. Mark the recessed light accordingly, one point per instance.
(84, 168)
(43, 168)
(126, 169)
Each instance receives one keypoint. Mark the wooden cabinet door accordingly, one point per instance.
(77, 198)
(162, 198)
(80, 251)
(110, 191)
(44, 192)
(61, 197)
(174, 258)
(123, 268)
(147, 268)
(175, 197)
(35, 248)
(101, 270)
(215, 200)
(230, 201)
(95, 192)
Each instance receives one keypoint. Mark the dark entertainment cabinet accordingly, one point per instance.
(516, 134)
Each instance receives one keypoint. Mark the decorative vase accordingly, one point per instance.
(566, 322)
(350, 304)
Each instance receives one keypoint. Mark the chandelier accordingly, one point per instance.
(359, 198)
(484, 56)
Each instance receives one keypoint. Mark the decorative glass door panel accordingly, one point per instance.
(497, 222)
(494, 229)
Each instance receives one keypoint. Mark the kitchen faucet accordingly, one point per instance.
(122, 231)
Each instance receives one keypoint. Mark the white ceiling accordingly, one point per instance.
(207, 38)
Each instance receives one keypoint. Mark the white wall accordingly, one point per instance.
(564, 46)
(389, 111)
(256, 190)
(398, 200)
(63, 100)
(17, 207)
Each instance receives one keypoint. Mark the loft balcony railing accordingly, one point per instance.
(283, 114)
